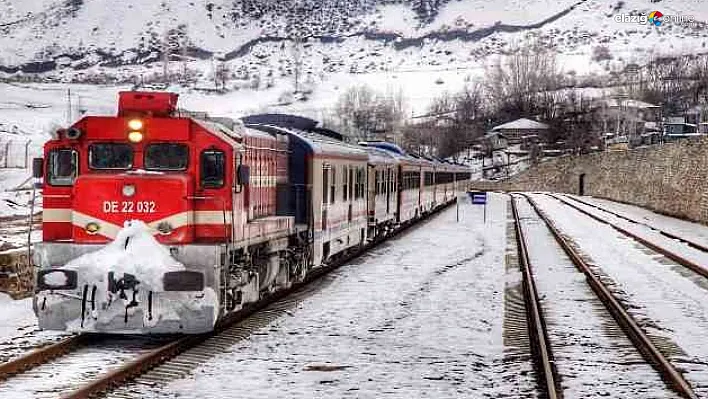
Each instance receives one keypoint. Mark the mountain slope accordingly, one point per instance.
(46, 35)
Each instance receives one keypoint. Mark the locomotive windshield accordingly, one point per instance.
(62, 167)
(212, 169)
(166, 156)
(110, 156)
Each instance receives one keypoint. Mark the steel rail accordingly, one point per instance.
(687, 241)
(40, 356)
(534, 315)
(657, 248)
(635, 333)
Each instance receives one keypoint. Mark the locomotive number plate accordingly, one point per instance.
(129, 207)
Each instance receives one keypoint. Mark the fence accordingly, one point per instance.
(16, 153)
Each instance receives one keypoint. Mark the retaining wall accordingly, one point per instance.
(669, 178)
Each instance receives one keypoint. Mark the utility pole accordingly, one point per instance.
(165, 56)
(68, 106)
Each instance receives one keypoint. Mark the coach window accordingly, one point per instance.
(351, 184)
(62, 168)
(110, 156)
(345, 184)
(325, 185)
(333, 186)
(212, 168)
(166, 156)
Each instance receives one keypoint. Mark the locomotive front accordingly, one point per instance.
(137, 208)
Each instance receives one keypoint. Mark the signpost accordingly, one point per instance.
(479, 198)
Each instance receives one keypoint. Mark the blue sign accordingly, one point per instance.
(478, 198)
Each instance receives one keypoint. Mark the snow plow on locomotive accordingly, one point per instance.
(161, 221)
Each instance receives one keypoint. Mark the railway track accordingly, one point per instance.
(40, 356)
(540, 343)
(648, 349)
(72, 363)
(175, 358)
(673, 254)
(691, 243)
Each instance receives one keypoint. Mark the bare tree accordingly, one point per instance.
(516, 81)
(296, 55)
(356, 111)
(453, 123)
(364, 114)
(675, 83)
(221, 73)
(577, 125)
(470, 114)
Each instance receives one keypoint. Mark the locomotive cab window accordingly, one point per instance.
(109, 156)
(166, 156)
(62, 167)
(212, 169)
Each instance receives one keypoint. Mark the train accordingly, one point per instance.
(160, 221)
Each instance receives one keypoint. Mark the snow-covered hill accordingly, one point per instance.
(62, 36)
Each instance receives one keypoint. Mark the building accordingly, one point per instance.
(698, 115)
(679, 127)
(521, 130)
(494, 141)
(630, 121)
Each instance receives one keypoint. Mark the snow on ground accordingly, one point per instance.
(593, 356)
(67, 373)
(15, 209)
(18, 328)
(682, 249)
(682, 228)
(420, 316)
(14, 197)
(668, 301)
(16, 315)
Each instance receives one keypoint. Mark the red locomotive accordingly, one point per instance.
(161, 221)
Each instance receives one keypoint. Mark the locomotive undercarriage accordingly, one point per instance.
(257, 271)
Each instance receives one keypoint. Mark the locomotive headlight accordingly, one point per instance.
(164, 228)
(135, 136)
(128, 190)
(135, 124)
(92, 228)
(57, 279)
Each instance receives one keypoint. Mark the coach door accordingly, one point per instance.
(388, 184)
(325, 192)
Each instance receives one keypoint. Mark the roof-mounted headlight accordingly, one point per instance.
(135, 124)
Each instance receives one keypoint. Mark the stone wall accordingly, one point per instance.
(670, 178)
